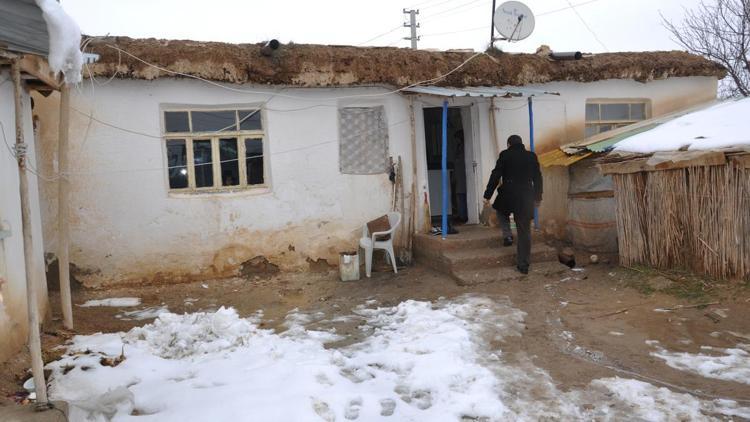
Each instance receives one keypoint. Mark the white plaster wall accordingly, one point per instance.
(126, 226)
(13, 313)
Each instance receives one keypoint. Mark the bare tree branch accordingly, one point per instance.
(720, 31)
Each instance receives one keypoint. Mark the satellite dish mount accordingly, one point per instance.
(513, 20)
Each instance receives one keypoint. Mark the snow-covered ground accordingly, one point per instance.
(417, 361)
(720, 126)
(113, 302)
(725, 364)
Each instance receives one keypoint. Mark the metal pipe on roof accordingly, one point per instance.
(270, 47)
(569, 55)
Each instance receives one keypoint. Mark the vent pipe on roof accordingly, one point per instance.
(570, 55)
(271, 46)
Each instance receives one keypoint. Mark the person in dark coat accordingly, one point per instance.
(519, 189)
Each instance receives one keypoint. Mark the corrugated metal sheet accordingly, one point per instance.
(559, 158)
(607, 144)
(479, 91)
(22, 27)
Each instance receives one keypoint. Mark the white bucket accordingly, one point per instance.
(349, 266)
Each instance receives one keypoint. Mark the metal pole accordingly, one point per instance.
(492, 26)
(445, 169)
(35, 344)
(533, 149)
(413, 26)
(63, 212)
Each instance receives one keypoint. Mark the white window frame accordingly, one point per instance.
(615, 123)
(214, 137)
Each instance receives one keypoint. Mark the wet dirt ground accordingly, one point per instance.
(580, 326)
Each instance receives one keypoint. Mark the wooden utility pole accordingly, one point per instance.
(35, 344)
(63, 208)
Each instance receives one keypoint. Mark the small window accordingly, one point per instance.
(215, 149)
(203, 161)
(250, 120)
(176, 121)
(254, 161)
(363, 140)
(230, 165)
(214, 121)
(177, 162)
(606, 115)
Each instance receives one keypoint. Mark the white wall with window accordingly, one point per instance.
(187, 180)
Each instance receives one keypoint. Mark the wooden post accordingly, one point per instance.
(414, 198)
(63, 208)
(35, 344)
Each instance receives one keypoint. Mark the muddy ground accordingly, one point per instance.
(580, 325)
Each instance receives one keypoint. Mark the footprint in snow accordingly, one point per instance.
(387, 407)
(352, 410)
(322, 409)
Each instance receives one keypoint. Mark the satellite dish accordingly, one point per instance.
(514, 21)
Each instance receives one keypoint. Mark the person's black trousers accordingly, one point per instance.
(523, 242)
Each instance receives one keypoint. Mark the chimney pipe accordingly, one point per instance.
(570, 55)
(271, 46)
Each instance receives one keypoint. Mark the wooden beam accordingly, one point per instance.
(742, 160)
(63, 208)
(666, 161)
(35, 344)
(39, 69)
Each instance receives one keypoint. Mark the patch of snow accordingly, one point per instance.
(662, 310)
(421, 361)
(113, 302)
(141, 314)
(64, 41)
(616, 333)
(652, 342)
(730, 365)
(721, 126)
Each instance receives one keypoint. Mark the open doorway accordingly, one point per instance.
(460, 164)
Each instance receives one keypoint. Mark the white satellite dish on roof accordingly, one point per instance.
(514, 21)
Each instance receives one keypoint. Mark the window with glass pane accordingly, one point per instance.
(608, 115)
(250, 120)
(176, 121)
(254, 161)
(230, 165)
(214, 121)
(203, 161)
(177, 163)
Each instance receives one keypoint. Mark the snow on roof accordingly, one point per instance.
(64, 41)
(327, 65)
(724, 125)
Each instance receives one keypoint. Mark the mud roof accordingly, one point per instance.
(306, 65)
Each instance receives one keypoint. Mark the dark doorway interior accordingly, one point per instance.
(433, 121)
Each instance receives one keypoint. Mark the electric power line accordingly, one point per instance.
(583, 21)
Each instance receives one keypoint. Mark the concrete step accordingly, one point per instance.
(495, 257)
(505, 274)
(469, 237)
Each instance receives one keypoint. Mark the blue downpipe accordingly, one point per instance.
(445, 170)
(531, 145)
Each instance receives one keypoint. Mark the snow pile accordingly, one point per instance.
(64, 41)
(730, 364)
(418, 361)
(721, 126)
(173, 336)
(141, 314)
(113, 302)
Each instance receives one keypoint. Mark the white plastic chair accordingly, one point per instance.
(369, 244)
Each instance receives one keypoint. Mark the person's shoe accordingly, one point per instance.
(508, 241)
(523, 270)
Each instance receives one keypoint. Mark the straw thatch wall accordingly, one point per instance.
(694, 218)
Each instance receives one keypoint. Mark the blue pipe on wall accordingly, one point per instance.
(531, 145)
(445, 170)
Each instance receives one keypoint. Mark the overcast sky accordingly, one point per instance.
(615, 25)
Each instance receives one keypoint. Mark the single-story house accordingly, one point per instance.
(194, 158)
(23, 39)
(682, 193)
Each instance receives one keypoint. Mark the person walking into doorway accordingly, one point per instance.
(519, 189)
